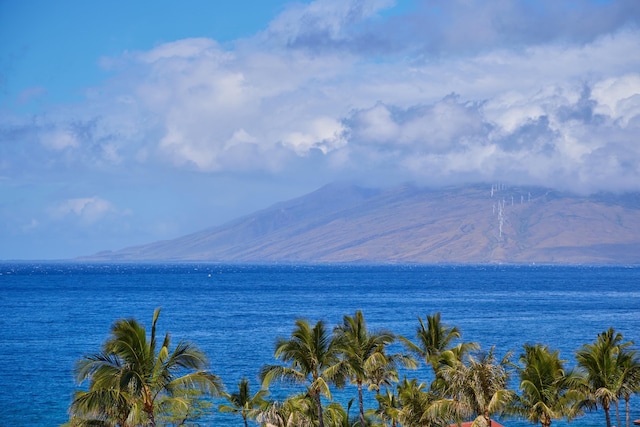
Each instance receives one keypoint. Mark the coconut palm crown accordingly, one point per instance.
(435, 343)
(140, 375)
(363, 354)
(312, 357)
(547, 389)
(243, 403)
(476, 387)
(601, 363)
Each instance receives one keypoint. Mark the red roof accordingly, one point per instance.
(468, 424)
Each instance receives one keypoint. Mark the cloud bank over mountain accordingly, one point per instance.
(437, 92)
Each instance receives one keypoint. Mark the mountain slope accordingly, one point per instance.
(408, 224)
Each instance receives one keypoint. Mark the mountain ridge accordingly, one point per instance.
(480, 223)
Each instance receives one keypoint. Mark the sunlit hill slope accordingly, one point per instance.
(410, 224)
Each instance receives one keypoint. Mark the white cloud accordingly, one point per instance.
(618, 97)
(87, 210)
(541, 108)
(322, 21)
(376, 125)
(323, 133)
(184, 49)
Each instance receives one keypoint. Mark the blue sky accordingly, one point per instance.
(123, 123)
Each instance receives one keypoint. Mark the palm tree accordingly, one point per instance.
(477, 388)
(600, 361)
(628, 383)
(243, 403)
(435, 343)
(295, 411)
(182, 406)
(363, 354)
(337, 416)
(547, 388)
(312, 355)
(386, 375)
(414, 400)
(103, 407)
(138, 374)
(388, 407)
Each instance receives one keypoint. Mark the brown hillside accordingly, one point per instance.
(407, 224)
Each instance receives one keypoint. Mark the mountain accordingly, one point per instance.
(342, 223)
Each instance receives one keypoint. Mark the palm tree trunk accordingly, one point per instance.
(605, 406)
(152, 419)
(148, 406)
(545, 421)
(626, 408)
(360, 402)
(319, 404)
(617, 413)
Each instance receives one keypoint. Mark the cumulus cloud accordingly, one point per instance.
(324, 24)
(443, 27)
(478, 25)
(554, 137)
(536, 93)
(618, 98)
(86, 210)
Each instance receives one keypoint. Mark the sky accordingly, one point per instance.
(123, 123)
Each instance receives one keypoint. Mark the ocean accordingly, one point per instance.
(53, 313)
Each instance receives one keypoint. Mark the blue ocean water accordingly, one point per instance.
(53, 313)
